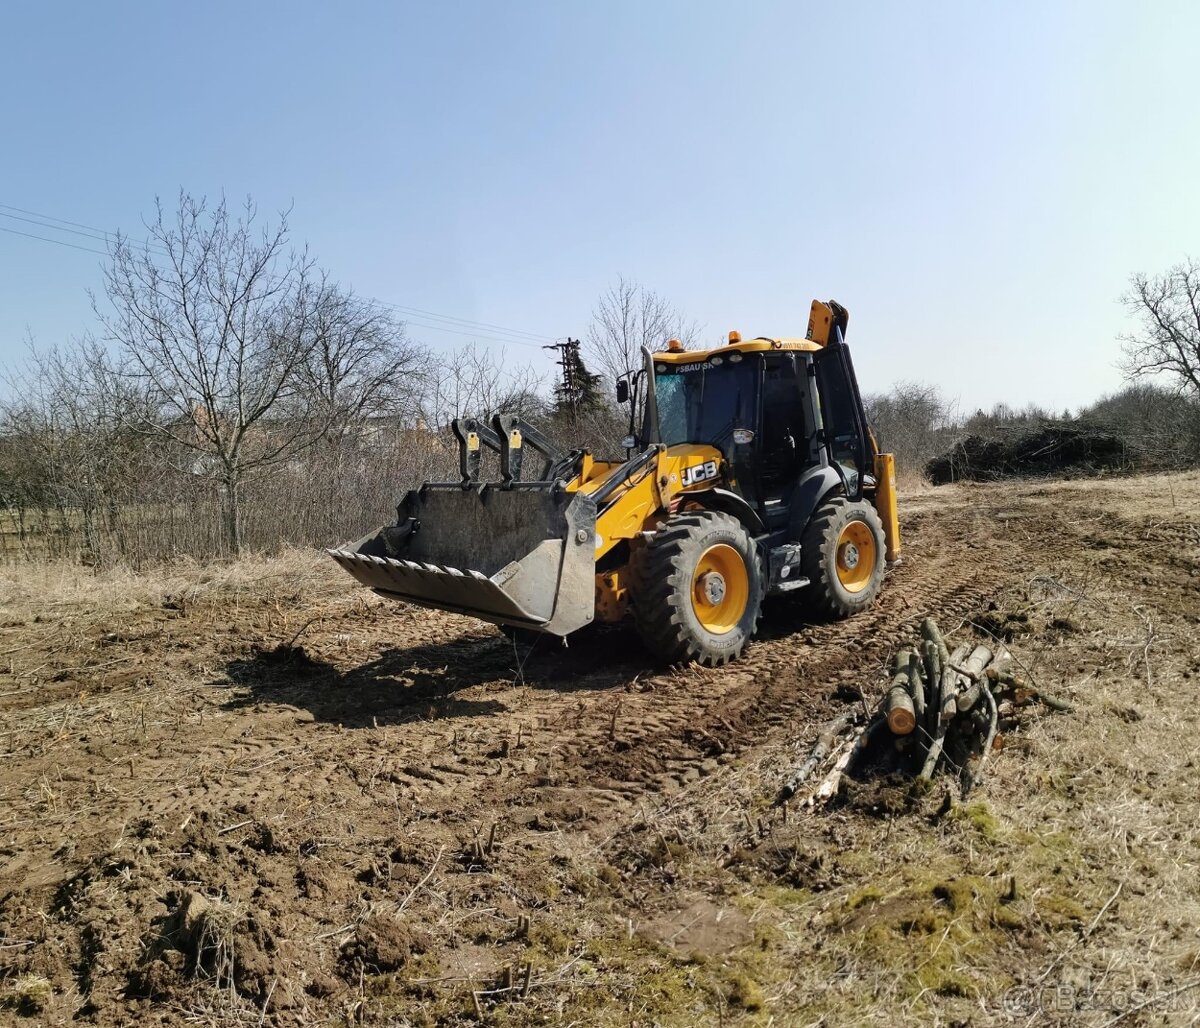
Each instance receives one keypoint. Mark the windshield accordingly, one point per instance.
(703, 403)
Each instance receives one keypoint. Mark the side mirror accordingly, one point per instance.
(622, 390)
(630, 442)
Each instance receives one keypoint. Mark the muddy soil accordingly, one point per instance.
(287, 801)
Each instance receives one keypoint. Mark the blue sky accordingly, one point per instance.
(974, 181)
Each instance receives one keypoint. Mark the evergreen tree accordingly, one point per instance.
(580, 390)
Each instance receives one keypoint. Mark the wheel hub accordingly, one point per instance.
(712, 587)
(849, 556)
(720, 588)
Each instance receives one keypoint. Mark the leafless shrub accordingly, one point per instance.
(1161, 426)
(914, 421)
(76, 482)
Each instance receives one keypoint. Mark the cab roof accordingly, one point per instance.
(763, 344)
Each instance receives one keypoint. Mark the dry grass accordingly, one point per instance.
(50, 587)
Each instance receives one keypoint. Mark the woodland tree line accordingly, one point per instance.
(237, 397)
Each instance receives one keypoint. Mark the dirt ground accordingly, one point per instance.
(259, 794)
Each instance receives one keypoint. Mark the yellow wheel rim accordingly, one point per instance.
(857, 553)
(720, 589)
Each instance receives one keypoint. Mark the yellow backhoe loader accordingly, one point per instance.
(750, 471)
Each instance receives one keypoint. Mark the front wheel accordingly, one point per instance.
(842, 555)
(699, 589)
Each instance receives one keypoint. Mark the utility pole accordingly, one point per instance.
(569, 362)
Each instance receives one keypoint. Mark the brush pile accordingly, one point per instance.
(942, 712)
(1056, 448)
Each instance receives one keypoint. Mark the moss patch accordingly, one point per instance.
(979, 817)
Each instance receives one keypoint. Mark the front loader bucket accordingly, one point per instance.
(519, 556)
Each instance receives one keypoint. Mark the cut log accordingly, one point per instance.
(978, 660)
(916, 683)
(1006, 678)
(932, 633)
(933, 684)
(901, 712)
(949, 690)
(967, 699)
(975, 667)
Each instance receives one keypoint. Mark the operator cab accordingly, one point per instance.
(777, 410)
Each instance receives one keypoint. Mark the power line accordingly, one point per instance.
(447, 323)
(462, 321)
(50, 217)
(60, 242)
(453, 324)
(457, 330)
(100, 234)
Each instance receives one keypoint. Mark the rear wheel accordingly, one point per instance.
(842, 555)
(699, 589)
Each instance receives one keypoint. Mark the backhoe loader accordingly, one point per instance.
(750, 471)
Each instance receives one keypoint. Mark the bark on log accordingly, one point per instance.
(967, 699)
(916, 683)
(933, 682)
(935, 752)
(978, 660)
(931, 632)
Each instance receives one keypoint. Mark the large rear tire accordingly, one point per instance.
(842, 555)
(699, 589)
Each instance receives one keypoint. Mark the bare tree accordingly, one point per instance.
(361, 365)
(475, 382)
(627, 317)
(1169, 339)
(215, 319)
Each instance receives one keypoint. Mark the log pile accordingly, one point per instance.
(941, 712)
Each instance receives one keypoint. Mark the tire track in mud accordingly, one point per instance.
(624, 741)
(782, 681)
(599, 722)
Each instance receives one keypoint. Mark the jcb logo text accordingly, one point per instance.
(699, 473)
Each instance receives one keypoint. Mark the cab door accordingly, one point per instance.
(843, 429)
